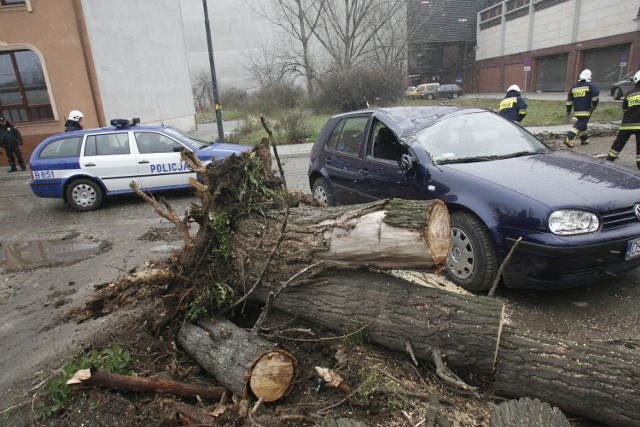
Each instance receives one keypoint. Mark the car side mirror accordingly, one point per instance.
(407, 164)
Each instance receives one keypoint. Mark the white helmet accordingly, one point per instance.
(75, 115)
(514, 87)
(636, 77)
(586, 75)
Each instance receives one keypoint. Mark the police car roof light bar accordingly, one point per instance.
(124, 123)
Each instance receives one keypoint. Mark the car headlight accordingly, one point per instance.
(568, 222)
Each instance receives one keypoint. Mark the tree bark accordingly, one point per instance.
(594, 380)
(465, 329)
(527, 412)
(385, 234)
(583, 378)
(242, 362)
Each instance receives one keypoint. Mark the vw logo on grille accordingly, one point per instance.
(636, 210)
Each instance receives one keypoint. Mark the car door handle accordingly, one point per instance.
(364, 172)
(89, 164)
(143, 161)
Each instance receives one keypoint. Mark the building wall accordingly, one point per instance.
(577, 33)
(140, 60)
(54, 35)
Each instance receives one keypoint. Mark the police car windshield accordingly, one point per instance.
(196, 142)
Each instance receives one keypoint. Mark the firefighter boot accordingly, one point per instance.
(567, 142)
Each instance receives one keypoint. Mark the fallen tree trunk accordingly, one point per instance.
(585, 379)
(240, 361)
(385, 234)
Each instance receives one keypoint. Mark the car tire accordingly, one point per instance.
(472, 262)
(617, 93)
(455, 96)
(430, 97)
(84, 195)
(322, 193)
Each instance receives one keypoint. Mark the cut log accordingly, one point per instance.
(94, 378)
(383, 235)
(242, 362)
(583, 378)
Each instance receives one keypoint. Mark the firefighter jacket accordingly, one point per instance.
(513, 106)
(583, 98)
(631, 109)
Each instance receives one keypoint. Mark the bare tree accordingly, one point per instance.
(351, 30)
(299, 19)
(202, 89)
(267, 66)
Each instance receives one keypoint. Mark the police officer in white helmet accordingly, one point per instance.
(73, 121)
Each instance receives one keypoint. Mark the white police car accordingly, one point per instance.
(84, 167)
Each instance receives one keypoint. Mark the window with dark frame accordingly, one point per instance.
(23, 90)
(11, 2)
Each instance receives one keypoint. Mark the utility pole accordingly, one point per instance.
(214, 81)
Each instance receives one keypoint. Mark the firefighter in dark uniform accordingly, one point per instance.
(513, 106)
(583, 98)
(11, 140)
(630, 124)
(73, 122)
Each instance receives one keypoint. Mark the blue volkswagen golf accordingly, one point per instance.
(578, 217)
(84, 167)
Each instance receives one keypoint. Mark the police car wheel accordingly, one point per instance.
(84, 195)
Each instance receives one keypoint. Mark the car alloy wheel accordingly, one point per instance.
(322, 193)
(472, 262)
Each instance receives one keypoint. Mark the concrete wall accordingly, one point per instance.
(140, 60)
(569, 22)
(238, 32)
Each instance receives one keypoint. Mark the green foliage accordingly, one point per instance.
(255, 188)
(295, 127)
(375, 379)
(211, 300)
(355, 333)
(219, 225)
(112, 359)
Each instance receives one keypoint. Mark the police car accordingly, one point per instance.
(84, 167)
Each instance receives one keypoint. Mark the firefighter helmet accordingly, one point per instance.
(514, 87)
(636, 77)
(586, 75)
(75, 116)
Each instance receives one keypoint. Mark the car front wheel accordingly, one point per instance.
(455, 95)
(429, 97)
(84, 195)
(322, 193)
(473, 261)
(617, 94)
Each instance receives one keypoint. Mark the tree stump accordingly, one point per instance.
(242, 362)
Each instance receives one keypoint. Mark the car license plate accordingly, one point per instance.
(633, 249)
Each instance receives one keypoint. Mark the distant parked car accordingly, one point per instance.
(445, 91)
(420, 90)
(621, 88)
(578, 216)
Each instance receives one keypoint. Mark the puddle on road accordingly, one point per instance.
(38, 253)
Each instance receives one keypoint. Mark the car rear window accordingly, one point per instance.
(64, 147)
(347, 135)
(107, 144)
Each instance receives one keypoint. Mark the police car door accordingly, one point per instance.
(159, 161)
(108, 157)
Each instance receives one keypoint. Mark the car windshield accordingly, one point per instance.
(477, 136)
(196, 142)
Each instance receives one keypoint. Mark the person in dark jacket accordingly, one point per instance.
(583, 98)
(630, 124)
(73, 122)
(11, 140)
(513, 106)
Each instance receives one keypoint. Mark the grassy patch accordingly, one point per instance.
(540, 113)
